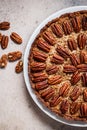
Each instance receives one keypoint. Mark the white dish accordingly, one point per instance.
(31, 92)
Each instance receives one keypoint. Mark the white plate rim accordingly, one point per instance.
(25, 71)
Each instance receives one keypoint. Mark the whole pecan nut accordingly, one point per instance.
(69, 69)
(13, 56)
(63, 91)
(4, 41)
(54, 79)
(4, 25)
(19, 67)
(75, 93)
(57, 59)
(16, 38)
(37, 66)
(57, 30)
(43, 45)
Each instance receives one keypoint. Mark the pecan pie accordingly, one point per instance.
(57, 65)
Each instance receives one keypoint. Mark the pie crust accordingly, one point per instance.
(57, 65)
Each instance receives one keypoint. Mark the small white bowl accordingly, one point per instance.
(30, 90)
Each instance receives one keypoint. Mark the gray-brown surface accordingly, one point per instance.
(17, 110)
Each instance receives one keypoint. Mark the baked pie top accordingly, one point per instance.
(57, 65)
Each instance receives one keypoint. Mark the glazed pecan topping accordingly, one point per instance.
(63, 91)
(67, 27)
(75, 78)
(47, 94)
(81, 40)
(49, 38)
(84, 22)
(57, 59)
(74, 107)
(54, 79)
(82, 67)
(85, 95)
(83, 110)
(38, 77)
(39, 56)
(75, 93)
(72, 44)
(41, 85)
(84, 79)
(55, 101)
(83, 57)
(37, 66)
(43, 45)
(74, 59)
(76, 23)
(4, 41)
(64, 106)
(57, 30)
(52, 69)
(63, 52)
(69, 69)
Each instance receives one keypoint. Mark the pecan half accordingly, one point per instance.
(64, 106)
(63, 91)
(47, 94)
(43, 45)
(84, 22)
(81, 40)
(84, 79)
(13, 56)
(57, 30)
(76, 23)
(54, 79)
(0, 37)
(3, 61)
(4, 41)
(82, 67)
(69, 69)
(57, 59)
(37, 66)
(63, 52)
(41, 85)
(72, 44)
(74, 107)
(52, 69)
(55, 101)
(75, 93)
(38, 77)
(4, 25)
(67, 27)
(83, 57)
(49, 38)
(16, 38)
(39, 56)
(85, 95)
(74, 59)
(83, 110)
(19, 67)
(75, 78)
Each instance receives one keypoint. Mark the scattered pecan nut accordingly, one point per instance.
(0, 37)
(4, 41)
(19, 67)
(13, 56)
(3, 61)
(16, 38)
(4, 25)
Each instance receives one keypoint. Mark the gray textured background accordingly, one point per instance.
(17, 110)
